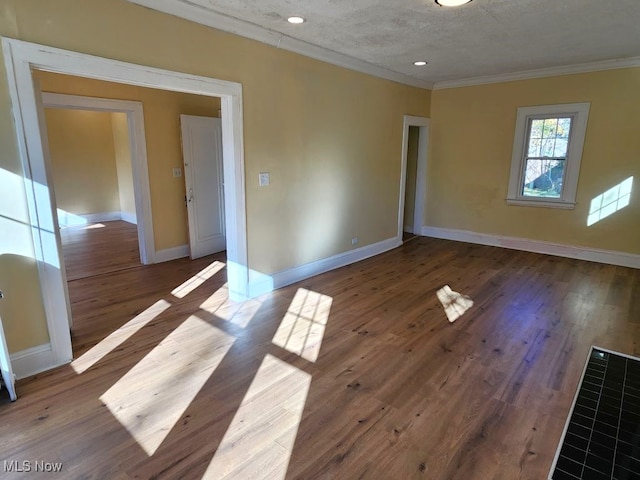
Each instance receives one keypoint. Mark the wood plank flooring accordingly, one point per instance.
(353, 374)
(99, 248)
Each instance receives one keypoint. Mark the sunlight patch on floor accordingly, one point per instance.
(198, 279)
(454, 303)
(260, 439)
(151, 397)
(93, 226)
(238, 313)
(609, 202)
(118, 337)
(302, 328)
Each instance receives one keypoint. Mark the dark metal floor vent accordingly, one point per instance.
(601, 440)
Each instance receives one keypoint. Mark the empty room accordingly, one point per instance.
(357, 240)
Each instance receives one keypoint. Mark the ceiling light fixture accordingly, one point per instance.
(295, 19)
(420, 63)
(451, 3)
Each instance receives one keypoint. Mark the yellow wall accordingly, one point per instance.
(122, 150)
(162, 111)
(331, 138)
(82, 160)
(471, 144)
(18, 275)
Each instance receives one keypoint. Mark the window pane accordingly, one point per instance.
(549, 128)
(543, 178)
(536, 128)
(564, 127)
(547, 147)
(560, 149)
(534, 147)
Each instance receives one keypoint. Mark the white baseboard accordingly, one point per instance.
(129, 217)
(32, 360)
(536, 246)
(286, 277)
(173, 253)
(101, 217)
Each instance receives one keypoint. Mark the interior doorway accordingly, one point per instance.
(21, 60)
(97, 154)
(413, 177)
(90, 141)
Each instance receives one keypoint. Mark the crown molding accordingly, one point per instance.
(196, 13)
(541, 72)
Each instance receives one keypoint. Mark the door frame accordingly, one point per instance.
(138, 148)
(20, 59)
(421, 172)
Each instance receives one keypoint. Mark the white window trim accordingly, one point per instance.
(580, 114)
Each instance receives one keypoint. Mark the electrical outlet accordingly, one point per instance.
(354, 241)
(177, 172)
(263, 179)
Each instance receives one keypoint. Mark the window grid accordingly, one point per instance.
(546, 149)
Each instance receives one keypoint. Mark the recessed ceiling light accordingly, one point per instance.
(420, 63)
(295, 19)
(451, 3)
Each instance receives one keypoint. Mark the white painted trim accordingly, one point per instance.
(33, 360)
(421, 172)
(196, 13)
(108, 217)
(21, 58)
(536, 246)
(129, 217)
(172, 253)
(541, 203)
(101, 217)
(296, 274)
(614, 64)
(138, 148)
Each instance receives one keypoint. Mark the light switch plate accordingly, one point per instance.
(263, 179)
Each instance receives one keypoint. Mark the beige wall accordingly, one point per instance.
(412, 170)
(471, 146)
(82, 159)
(162, 110)
(331, 138)
(122, 150)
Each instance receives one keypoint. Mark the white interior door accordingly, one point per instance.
(202, 153)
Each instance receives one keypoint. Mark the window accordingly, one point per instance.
(547, 150)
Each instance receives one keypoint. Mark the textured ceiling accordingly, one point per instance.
(485, 37)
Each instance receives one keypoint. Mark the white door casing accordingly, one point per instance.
(138, 148)
(421, 173)
(203, 176)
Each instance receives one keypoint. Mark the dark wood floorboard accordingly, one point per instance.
(353, 374)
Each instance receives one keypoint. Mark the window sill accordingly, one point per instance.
(541, 203)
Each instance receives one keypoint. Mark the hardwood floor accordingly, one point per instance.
(99, 248)
(353, 374)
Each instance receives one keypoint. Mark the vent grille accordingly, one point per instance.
(602, 435)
